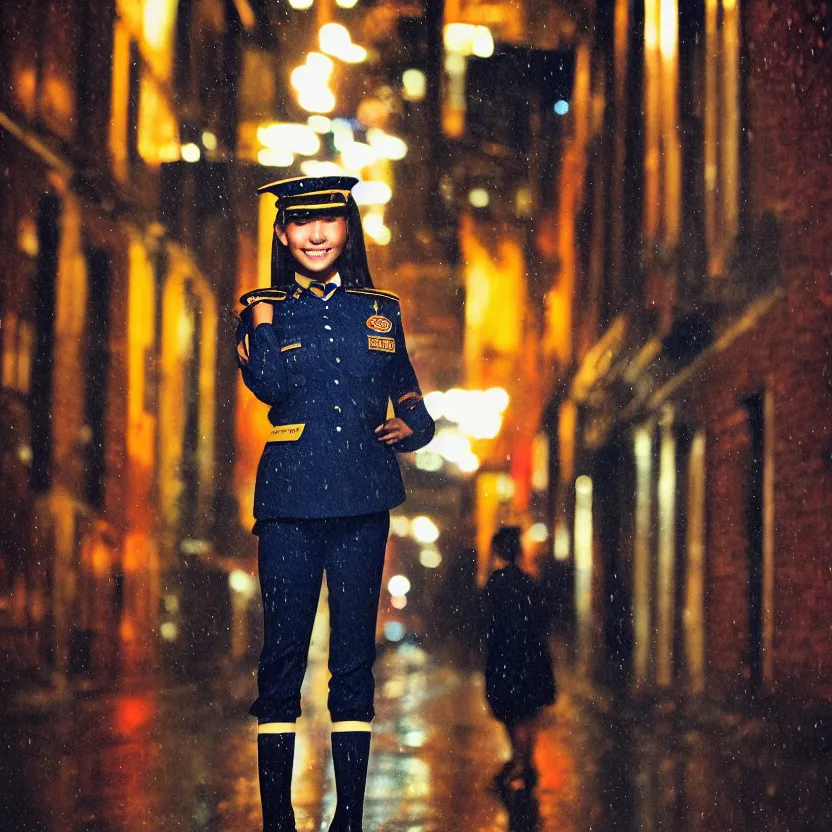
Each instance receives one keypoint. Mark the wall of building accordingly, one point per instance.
(716, 380)
(110, 323)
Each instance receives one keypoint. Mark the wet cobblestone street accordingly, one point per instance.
(183, 757)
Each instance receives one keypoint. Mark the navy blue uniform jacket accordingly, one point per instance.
(328, 369)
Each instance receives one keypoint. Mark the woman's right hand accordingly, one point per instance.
(262, 313)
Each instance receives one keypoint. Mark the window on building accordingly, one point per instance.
(21, 56)
(667, 574)
(190, 466)
(143, 124)
(662, 147)
(644, 453)
(722, 131)
(157, 126)
(18, 342)
(120, 104)
(40, 396)
(58, 82)
(694, 602)
(692, 255)
(630, 61)
(759, 534)
(98, 368)
(153, 353)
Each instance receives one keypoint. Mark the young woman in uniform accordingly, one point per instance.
(326, 351)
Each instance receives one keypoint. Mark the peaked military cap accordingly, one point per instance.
(306, 196)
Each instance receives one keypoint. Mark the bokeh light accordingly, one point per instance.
(414, 85)
(479, 197)
(394, 631)
(424, 530)
(191, 152)
(400, 525)
(398, 585)
(372, 193)
(430, 558)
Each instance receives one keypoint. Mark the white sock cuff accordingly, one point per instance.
(276, 728)
(351, 725)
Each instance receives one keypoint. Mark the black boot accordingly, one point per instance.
(275, 755)
(350, 755)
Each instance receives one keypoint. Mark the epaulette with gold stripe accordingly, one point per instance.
(382, 293)
(263, 294)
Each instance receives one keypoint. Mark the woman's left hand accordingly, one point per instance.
(393, 431)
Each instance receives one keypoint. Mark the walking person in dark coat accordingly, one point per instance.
(519, 679)
(326, 351)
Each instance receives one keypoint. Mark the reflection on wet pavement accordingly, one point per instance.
(183, 757)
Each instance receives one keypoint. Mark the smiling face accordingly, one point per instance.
(315, 243)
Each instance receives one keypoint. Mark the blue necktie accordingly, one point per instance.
(322, 290)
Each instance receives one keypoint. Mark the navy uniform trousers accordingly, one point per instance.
(293, 555)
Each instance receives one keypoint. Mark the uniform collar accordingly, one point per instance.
(304, 281)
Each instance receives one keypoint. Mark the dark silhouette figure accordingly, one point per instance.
(519, 679)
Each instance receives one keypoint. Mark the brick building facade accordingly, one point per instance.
(116, 260)
(699, 382)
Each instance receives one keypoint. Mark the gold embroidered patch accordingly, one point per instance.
(413, 397)
(374, 342)
(286, 433)
(378, 323)
(290, 347)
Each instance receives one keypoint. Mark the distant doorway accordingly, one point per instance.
(43, 301)
(755, 484)
(614, 470)
(97, 375)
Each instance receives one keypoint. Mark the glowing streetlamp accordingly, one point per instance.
(482, 42)
(414, 85)
(358, 155)
(335, 40)
(319, 100)
(296, 138)
(398, 585)
(479, 197)
(376, 230)
(275, 157)
(315, 167)
(430, 558)
(400, 525)
(320, 64)
(190, 152)
(372, 193)
(386, 146)
(467, 39)
(320, 124)
(424, 530)
(310, 81)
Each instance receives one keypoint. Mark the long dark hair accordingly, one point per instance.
(352, 264)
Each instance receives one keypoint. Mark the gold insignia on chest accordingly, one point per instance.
(374, 342)
(286, 433)
(378, 323)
